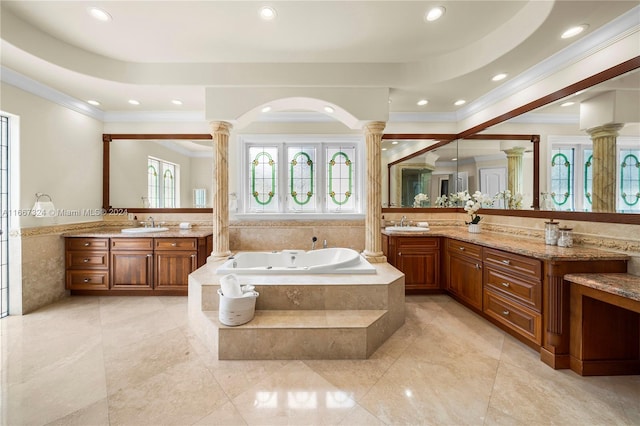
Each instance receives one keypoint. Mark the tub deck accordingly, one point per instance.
(327, 316)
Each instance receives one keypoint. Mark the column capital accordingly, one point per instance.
(516, 152)
(605, 130)
(374, 127)
(218, 127)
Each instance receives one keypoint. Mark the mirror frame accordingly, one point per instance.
(107, 138)
(608, 74)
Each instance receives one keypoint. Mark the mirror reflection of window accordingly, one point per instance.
(162, 177)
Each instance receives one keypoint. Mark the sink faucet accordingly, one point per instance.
(402, 220)
(153, 222)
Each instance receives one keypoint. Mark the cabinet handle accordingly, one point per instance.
(87, 280)
(87, 244)
(505, 284)
(193, 255)
(399, 254)
(85, 260)
(506, 262)
(149, 255)
(477, 266)
(173, 244)
(461, 248)
(505, 312)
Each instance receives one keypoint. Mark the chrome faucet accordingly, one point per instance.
(324, 244)
(313, 243)
(402, 220)
(153, 222)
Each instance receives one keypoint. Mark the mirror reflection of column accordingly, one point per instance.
(604, 167)
(514, 170)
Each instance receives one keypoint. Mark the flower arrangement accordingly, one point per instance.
(420, 200)
(509, 201)
(473, 203)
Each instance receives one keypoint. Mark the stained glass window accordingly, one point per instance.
(562, 162)
(153, 182)
(340, 178)
(263, 172)
(629, 199)
(301, 195)
(162, 184)
(588, 179)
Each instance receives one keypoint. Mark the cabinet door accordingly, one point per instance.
(132, 270)
(173, 269)
(465, 280)
(419, 259)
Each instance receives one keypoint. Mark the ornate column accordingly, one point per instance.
(514, 169)
(372, 242)
(220, 133)
(603, 191)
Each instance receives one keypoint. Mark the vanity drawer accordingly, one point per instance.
(132, 244)
(520, 319)
(88, 280)
(456, 247)
(87, 243)
(189, 244)
(525, 291)
(87, 260)
(526, 266)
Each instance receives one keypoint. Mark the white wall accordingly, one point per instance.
(60, 155)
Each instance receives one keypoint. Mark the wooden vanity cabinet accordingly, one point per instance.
(418, 258)
(175, 259)
(132, 263)
(87, 263)
(464, 278)
(513, 292)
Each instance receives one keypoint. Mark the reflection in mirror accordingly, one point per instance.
(160, 173)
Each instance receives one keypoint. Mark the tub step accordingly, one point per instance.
(310, 334)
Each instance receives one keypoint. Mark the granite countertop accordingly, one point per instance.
(625, 285)
(173, 232)
(518, 244)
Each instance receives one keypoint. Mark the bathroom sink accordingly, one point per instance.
(406, 229)
(141, 230)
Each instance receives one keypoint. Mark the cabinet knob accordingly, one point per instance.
(150, 255)
(505, 312)
(399, 254)
(173, 244)
(87, 244)
(85, 260)
(461, 248)
(506, 262)
(193, 255)
(505, 284)
(87, 280)
(477, 266)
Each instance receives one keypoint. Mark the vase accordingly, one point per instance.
(474, 228)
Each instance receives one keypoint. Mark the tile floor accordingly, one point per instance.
(134, 361)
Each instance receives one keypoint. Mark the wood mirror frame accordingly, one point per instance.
(107, 138)
(615, 71)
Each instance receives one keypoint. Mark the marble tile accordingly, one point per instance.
(225, 415)
(96, 414)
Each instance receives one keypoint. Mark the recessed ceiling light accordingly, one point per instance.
(574, 31)
(394, 143)
(460, 102)
(454, 159)
(266, 109)
(267, 13)
(134, 102)
(329, 109)
(92, 102)
(422, 102)
(434, 14)
(566, 104)
(499, 77)
(176, 102)
(99, 14)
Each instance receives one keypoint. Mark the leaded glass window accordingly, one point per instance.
(588, 179)
(301, 195)
(153, 183)
(629, 199)
(263, 172)
(162, 184)
(169, 185)
(562, 164)
(340, 178)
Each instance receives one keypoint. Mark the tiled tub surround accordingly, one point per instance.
(302, 316)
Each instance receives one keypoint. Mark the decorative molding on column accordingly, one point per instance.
(514, 169)
(603, 190)
(220, 132)
(373, 240)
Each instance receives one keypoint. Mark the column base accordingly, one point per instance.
(378, 257)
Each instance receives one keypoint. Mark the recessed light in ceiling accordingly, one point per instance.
(422, 102)
(92, 102)
(267, 13)
(329, 109)
(499, 77)
(566, 104)
(460, 102)
(176, 102)
(434, 14)
(454, 159)
(99, 14)
(134, 102)
(574, 31)
(266, 109)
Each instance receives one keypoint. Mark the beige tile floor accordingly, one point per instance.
(116, 360)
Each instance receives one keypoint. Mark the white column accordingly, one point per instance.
(220, 133)
(514, 170)
(603, 192)
(373, 240)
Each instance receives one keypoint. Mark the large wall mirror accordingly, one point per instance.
(557, 119)
(157, 172)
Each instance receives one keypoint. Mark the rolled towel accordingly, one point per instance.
(230, 286)
(423, 224)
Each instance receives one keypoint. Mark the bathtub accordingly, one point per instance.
(324, 261)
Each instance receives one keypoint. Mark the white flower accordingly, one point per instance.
(419, 199)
